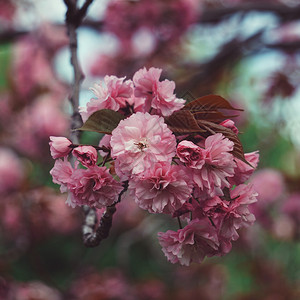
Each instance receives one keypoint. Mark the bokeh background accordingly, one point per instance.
(246, 51)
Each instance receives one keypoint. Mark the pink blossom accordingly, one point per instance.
(11, 171)
(59, 146)
(158, 94)
(243, 171)
(219, 164)
(112, 94)
(238, 214)
(190, 244)
(87, 155)
(61, 173)
(93, 187)
(230, 124)
(163, 189)
(164, 101)
(140, 141)
(190, 154)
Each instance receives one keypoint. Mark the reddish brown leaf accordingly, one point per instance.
(209, 102)
(207, 108)
(182, 122)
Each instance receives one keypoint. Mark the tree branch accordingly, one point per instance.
(93, 235)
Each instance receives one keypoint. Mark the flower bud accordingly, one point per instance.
(59, 146)
(87, 155)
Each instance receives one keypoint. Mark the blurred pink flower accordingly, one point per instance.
(219, 164)
(87, 155)
(93, 187)
(33, 290)
(112, 93)
(291, 207)
(59, 146)
(163, 189)
(32, 70)
(35, 123)
(11, 171)
(190, 244)
(140, 141)
(269, 184)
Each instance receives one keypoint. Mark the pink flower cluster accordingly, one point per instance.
(143, 93)
(199, 181)
(93, 186)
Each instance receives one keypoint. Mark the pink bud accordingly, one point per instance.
(59, 146)
(87, 155)
(230, 124)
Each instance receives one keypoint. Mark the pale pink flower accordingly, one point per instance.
(93, 187)
(243, 171)
(112, 93)
(140, 141)
(230, 124)
(190, 244)
(219, 164)
(11, 171)
(59, 146)
(164, 100)
(190, 154)
(163, 189)
(87, 155)
(158, 94)
(61, 173)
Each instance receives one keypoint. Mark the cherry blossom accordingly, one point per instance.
(93, 187)
(158, 94)
(112, 93)
(219, 164)
(140, 141)
(190, 244)
(163, 189)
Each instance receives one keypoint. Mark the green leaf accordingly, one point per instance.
(102, 121)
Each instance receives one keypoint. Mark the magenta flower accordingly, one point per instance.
(219, 164)
(158, 94)
(87, 155)
(190, 244)
(93, 187)
(163, 189)
(112, 94)
(190, 154)
(243, 171)
(140, 141)
(59, 146)
(238, 214)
